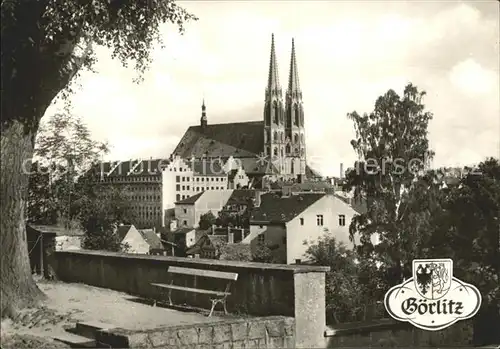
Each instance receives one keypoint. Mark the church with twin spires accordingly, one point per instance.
(279, 136)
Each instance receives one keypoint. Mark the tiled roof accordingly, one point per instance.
(224, 140)
(358, 204)
(305, 186)
(122, 231)
(277, 209)
(255, 165)
(190, 200)
(203, 243)
(311, 173)
(240, 196)
(126, 168)
(152, 239)
(182, 230)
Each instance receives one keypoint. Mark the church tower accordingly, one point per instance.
(203, 119)
(274, 115)
(295, 148)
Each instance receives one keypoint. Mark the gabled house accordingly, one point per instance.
(290, 222)
(189, 211)
(144, 241)
(204, 248)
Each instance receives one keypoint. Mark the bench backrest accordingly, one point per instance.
(203, 273)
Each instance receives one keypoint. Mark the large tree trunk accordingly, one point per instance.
(18, 287)
(34, 71)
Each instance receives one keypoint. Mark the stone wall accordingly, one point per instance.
(269, 332)
(262, 289)
(390, 333)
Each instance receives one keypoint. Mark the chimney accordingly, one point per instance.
(257, 198)
(230, 238)
(173, 224)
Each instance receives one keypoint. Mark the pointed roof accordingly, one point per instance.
(273, 82)
(293, 78)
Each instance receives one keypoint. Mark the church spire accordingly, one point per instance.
(273, 83)
(293, 78)
(203, 119)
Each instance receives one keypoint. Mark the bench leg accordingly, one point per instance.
(214, 302)
(170, 297)
(224, 304)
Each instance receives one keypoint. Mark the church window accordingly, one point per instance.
(267, 114)
(275, 137)
(268, 151)
(282, 152)
(295, 138)
(296, 115)
(276, 151)
(302, 117)
(302, 138)
(288, 149)
(293, 167)
(276, 116)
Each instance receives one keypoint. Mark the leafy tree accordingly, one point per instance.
(392, 143)
(99, 218)
(226, 219)
(207, 220)
(44, 46)
(41, 206)
(65, 151)
(262, 253)
(236, 252)
(352, 288)
(467, 229)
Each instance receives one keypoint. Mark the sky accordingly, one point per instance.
(348, 54)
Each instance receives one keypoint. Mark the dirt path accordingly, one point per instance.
(70, 303)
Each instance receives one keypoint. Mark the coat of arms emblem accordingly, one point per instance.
(432, 278)
(432, 299)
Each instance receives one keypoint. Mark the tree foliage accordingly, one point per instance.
(352, 288)
(65, 151)
(100, 216)
(45, 44)
(55, 39)
(65, 141)
(392, 143)
(207, 220)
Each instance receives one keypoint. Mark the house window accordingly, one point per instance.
(177, 178)
(261, 239)
(187, 187)
(178, 197)
(183, 187)
(185, 211)
(341, 220)
(302, 221)
(185, 222)
(319, 219)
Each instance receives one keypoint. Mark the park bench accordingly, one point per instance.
(217, 296)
